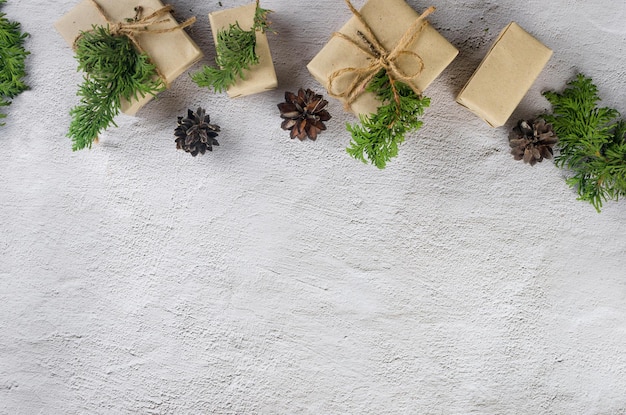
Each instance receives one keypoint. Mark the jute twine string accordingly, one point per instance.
(379, 59)
(141, 25)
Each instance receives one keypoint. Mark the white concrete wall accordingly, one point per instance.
(280, 277)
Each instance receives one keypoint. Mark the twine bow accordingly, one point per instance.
(140, 25)
(379, 58)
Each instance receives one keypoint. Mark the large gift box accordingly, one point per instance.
(389, 20)
(172, 52)
(260, 77)
(505, 75)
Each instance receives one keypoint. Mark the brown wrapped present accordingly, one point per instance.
(262, 76)
(505, 75)
(424, 56)
(172, 52)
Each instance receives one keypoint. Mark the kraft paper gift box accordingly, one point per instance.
(505, 75)
(260, 77)
(172, 52)
(389, 20)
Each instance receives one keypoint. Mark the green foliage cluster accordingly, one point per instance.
(12, 57)
(261, 23)
(236, 52)
(114, 70)
(378, 135)
(592, 142)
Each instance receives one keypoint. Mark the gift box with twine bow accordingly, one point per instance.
(384, 34)
(157, 34)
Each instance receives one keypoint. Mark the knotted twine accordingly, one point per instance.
(379, 58)
(140, 26)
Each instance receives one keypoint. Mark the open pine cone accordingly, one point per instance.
(532, 141)
(195, 134)
(304, 114)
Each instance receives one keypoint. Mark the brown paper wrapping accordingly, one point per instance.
(389, 20)
(172, 52)
(505, 75)
(260, 77)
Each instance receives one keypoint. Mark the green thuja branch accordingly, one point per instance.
(12, 57)
(236, 53)
(592, 142)
(378, 136)
(3, 103)
(114, 70)
(261, 23)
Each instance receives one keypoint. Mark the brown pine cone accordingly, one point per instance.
(532, 141)
(195, 134)
(304, 114)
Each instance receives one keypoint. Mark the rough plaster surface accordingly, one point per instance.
(279, 277)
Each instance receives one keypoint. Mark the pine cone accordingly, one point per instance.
(532, 141)
(195, 134)
(304, 114)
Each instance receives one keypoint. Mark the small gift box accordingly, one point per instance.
(172, 52)
(260, 77)
(425, 56)
(505, 75)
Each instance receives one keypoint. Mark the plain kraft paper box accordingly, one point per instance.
(260, 77)
(389, 20)
(505, 75)
(172, 52)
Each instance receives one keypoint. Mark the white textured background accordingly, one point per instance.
(280, 277)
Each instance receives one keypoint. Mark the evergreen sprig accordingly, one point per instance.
(236, 52)
(12, 60)
(377, 137)
(114, 70)
(261, 23)
(592, 142)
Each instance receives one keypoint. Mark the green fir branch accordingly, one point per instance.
(236, 53)
(592, 142)
(12, 60)
(377, 138)
(114, 71)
